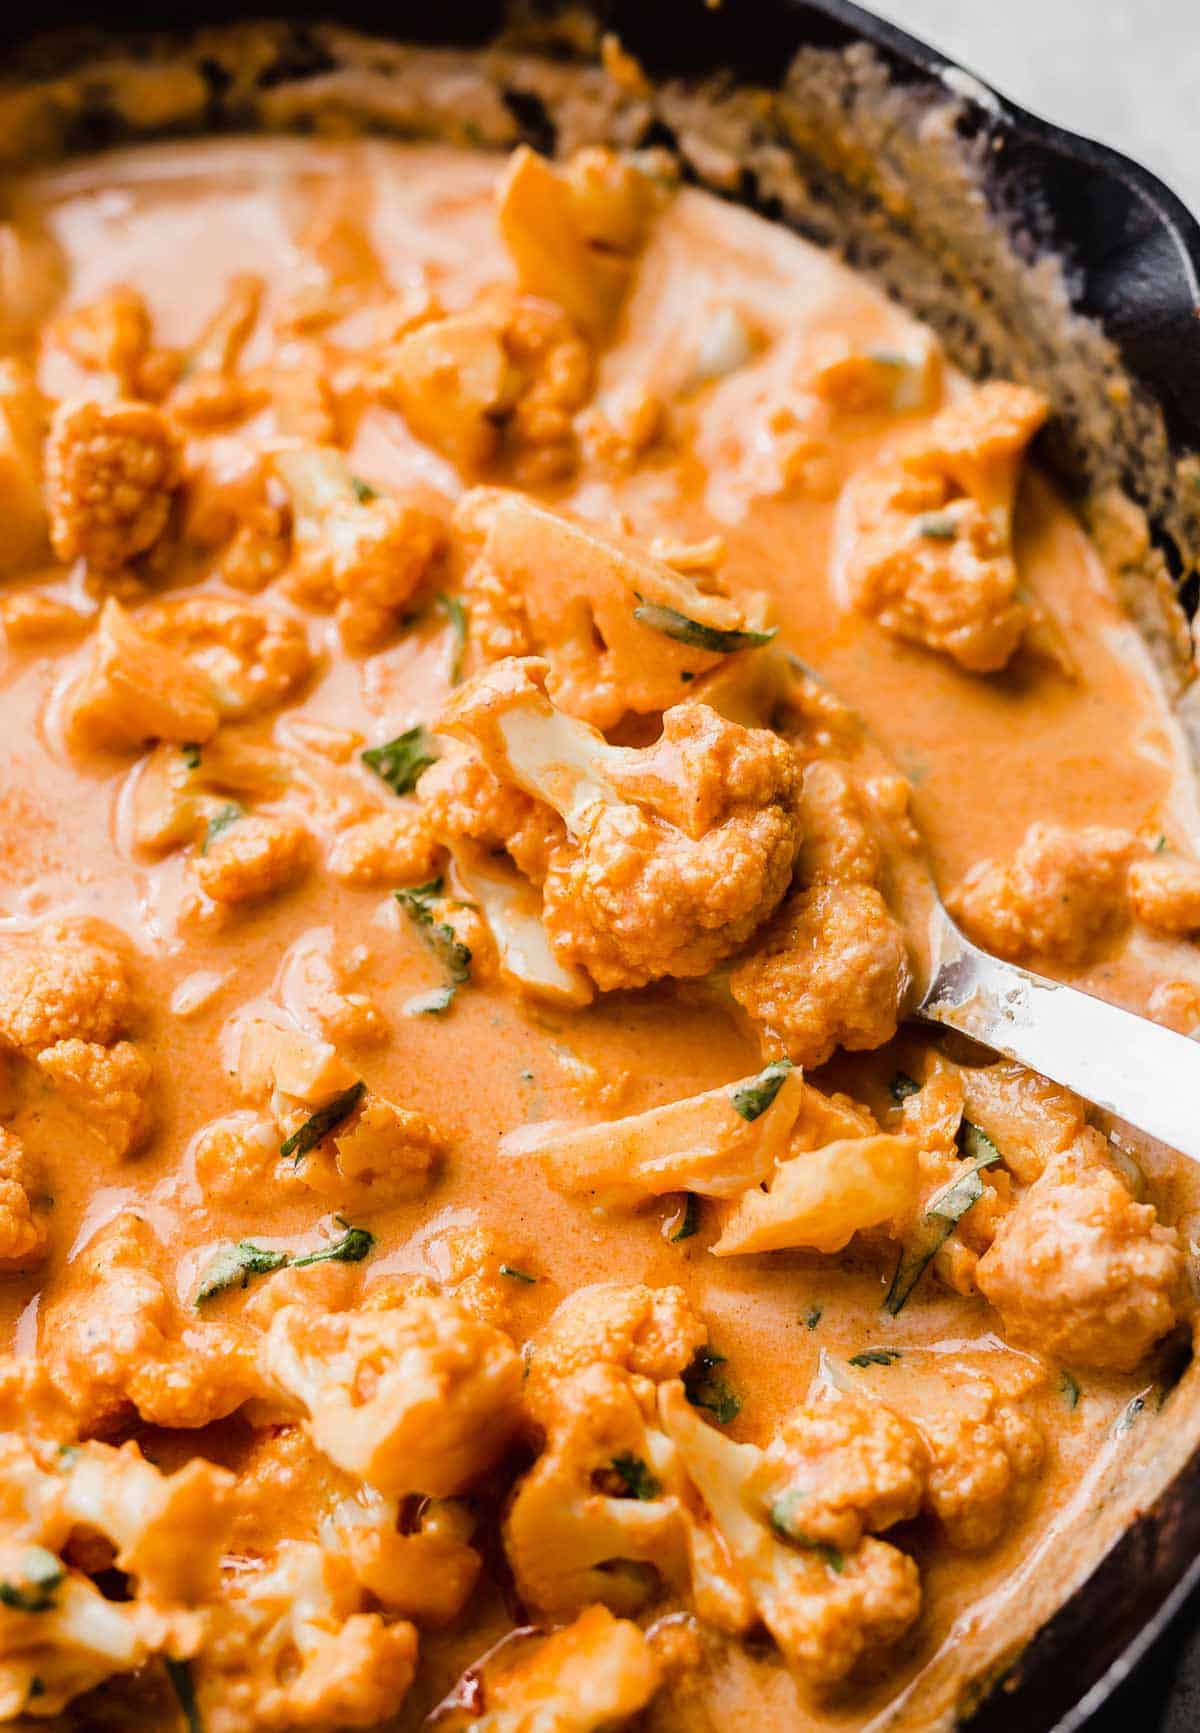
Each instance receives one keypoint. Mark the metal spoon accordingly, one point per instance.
(1134, 1069)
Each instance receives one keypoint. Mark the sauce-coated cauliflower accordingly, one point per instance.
(108, 1087)
(24, 1205)
(932, 557)
(418, 1398)
(634, 895)
(70, 982)
(253, 858)
(1081, 1272)
(832, 970)
(253, 659)
(112, 470)
(135, 690)
(1060, 895)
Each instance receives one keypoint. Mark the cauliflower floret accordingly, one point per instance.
(252, 660)
(253, 858)
(58, 1635)
(236, 510)
(112, 470)
(589, 1677)
(235, 1158)
(620, 630)
(366, 557)
(23, 420)
(178, 791)
(136, 690)
(293, 1646)
(113, 335)
(115, 1341)
(317, 988)
(716, 1145)
(512, 370)
(465, 801)
(423, 1398)
(107, 1086)
(825, 1609)
(424, 1570)
(381, 1153)
(832, 970)
(983, 1453)
(841, 1467)
(72, 982)
(572, 234)
(632, 897)
(1164, 893)
(1079, 1271)
(1061, 895)
(822, 1197)
(389, 848)
(24, 1205)
(840, 845)
(932, 558)
(650, 1332)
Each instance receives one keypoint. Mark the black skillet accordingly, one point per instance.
(1132, 252)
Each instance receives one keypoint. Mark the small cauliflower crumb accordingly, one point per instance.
(983, 1456)
(111, 473)
(24, 1224)
(254, 858)
(72, 984)
(385, 850)
(1164, 893)
(1060, 895)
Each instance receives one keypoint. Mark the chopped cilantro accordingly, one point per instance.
(693, 633)
(875, 1357)
(707, 1388)
(354, 1245)
(442, 940)
(938, 527)
(364, 493)
(976, 1145)
(1160, 846)
(752, 1098)
(943, 1212)
(400, 762)
(1129, 1415)
(322, 1122)
(1068, 1389)
(902, 1086)
(191, 754)
(786, 1520)
(233, 1266)
(180, 1675)
(635, 1477)
(516, 1275)
(36, 1591)
(456, 614)
(686, 1222)
(220, 822)
(813, 1316)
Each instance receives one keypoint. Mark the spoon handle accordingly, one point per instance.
(1137, 1070)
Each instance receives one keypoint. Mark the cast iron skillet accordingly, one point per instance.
(1132, 254)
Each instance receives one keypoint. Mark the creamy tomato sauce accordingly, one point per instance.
(726, 411)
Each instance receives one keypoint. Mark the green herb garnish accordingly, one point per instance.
(635, 1477)
(191, 754)
(400, 762)
(233, 1267)
(1160, 846)
(875, 1357)
(813, 1316)
(456, 614)
(943, 1212)
(785, 1520)
(693, 633)
(1068, 1389)
(354, 1245)
(442, 940)
(516, 1275)
(1129, 1415)
(364, 493)
(688, 1220)
(220, 822)
(938, 527)
(902, 1086)
(41, 1575)
(752, 1099)
(307, 1136)
(180, 1675)
(707, 1388)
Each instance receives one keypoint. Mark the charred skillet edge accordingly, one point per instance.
(1132, 255)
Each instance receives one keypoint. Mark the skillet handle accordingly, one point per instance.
(1135, 1069)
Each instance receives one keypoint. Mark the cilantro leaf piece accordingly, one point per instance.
(354, 1245)
(400, 762)
(36, 1591)
(220, 822)
(943, 1212)
(635, 1477)
(688, 1220)
(902, 1086)
(364, 493)
(786, 1520)
(876, 1357)
(322, 1122)
(694, 633)
(938, 527)
(707, 1388)
(516, 1275)
(456, 615)
(447, 947)
(752, 1099)
(191, 752)
(233, 1266)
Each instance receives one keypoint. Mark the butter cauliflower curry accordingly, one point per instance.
(489, 646)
